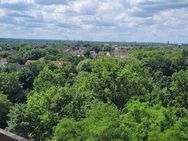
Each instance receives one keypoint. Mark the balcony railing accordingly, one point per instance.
(7, 136)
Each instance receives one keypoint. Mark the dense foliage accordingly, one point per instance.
(47, 93)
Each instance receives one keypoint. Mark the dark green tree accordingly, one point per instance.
(10, 85)
(5, 105)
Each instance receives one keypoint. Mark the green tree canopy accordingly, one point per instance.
(5, 105)
(10, 85)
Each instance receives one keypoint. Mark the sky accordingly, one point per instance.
(95, 20)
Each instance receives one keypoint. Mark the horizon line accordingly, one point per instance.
(47, 39)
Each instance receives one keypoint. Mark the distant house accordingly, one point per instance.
(3, 61)
(75, 51)
(93, 54)
(108, 53)
(122, 53)
(19, 67)
(54, 62)
(60, 62)
(101, 53)
(30, 62)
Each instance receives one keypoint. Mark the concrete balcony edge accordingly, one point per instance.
(8, 136)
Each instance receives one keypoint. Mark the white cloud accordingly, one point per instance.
(96, 19)
(84, 6)
(15, 1)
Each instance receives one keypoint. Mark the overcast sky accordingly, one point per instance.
(102, 20)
